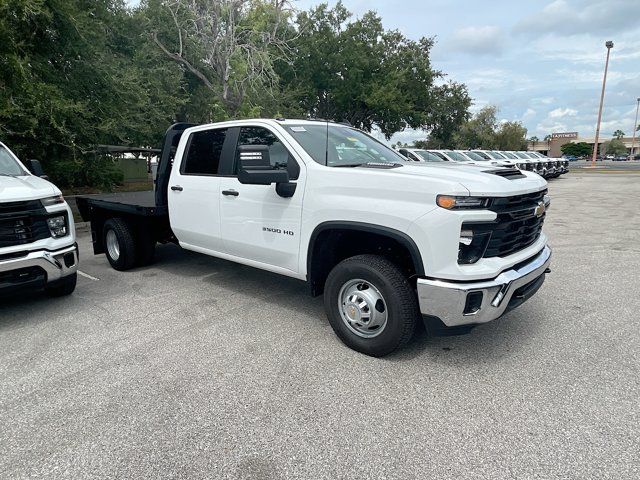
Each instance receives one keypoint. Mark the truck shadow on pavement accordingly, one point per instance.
(493, 341)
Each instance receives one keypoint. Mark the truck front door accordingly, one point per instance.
(194, 189)
(257, 223)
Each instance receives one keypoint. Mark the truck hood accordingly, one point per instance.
(477, 179)
(27, 187)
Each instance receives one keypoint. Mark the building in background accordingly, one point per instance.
(551, 146)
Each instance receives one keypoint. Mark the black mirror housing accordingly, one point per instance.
(254, 166)
(35, 167)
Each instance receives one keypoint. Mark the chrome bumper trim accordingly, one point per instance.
(446, 300)
(51, 262)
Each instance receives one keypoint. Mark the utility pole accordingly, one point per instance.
(635, 126)
(609, 46)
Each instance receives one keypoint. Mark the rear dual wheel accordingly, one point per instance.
(370, 305)
(124, 247)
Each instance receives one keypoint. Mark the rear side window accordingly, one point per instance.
(203, 152)
(278, 153)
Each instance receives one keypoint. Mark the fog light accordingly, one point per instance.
(472, 246)
(57, 226)
(466, 237)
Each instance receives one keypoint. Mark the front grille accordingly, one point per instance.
(10, 208)
(516, 227)
(22, 223)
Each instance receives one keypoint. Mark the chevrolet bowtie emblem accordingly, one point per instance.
(539, 210)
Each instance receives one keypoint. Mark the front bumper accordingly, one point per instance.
(452, 303)
(37, 268)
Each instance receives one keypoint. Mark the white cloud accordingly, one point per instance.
(485, 40)
(562, 112)
(566, 18)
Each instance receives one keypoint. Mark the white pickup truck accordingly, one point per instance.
(37, 234)
(388, 242)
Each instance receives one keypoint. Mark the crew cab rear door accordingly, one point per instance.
(257, 223)
(194, 188)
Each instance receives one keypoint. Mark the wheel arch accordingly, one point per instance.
(322, 255)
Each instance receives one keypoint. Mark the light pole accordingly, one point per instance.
(609, 46)
(635, 126)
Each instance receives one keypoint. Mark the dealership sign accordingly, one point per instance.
(565, 135)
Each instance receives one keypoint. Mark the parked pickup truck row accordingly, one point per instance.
(530, 161)
(389, 243)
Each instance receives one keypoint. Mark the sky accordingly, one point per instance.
(540, 62)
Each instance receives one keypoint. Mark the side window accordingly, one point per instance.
(203, 152)
(278, 153)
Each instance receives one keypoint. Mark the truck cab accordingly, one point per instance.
(37, 234)
(387, 242)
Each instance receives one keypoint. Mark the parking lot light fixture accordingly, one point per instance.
(635, 128)
(609, 46)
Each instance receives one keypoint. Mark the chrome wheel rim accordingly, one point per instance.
(112, 245)
(362, 308)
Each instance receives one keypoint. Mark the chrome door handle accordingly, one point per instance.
(233, 193)
(176, 188)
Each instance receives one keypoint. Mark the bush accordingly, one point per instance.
(97, 172)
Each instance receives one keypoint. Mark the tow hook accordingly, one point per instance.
(548, 270)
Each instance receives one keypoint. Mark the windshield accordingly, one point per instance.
(456, 156)
(343, 147)
(430, 156)
(498, 155)
(522, 155)
(483, 155)
(476, 156)
(8, 165)
(509, 155)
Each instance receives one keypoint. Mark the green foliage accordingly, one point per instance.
(484, 132)
(618, 134)
(615, 147)
(79, 73)
(100, 172)
(510, 136)
(478, 132)
(357, 71)
(580, 149)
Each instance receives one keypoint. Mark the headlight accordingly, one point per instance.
(449, 202)
(547, 201)
(57, 226)
(55, 200)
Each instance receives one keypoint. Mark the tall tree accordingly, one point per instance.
(479, 132)
(618, 134)
(357, 71)
(230, 46)
(70, 81)
(510, 136)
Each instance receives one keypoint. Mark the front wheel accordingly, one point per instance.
(370, 305)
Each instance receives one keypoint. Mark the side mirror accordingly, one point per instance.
(255, 166)
(35, 167)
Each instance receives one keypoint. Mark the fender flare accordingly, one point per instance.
(401, 237)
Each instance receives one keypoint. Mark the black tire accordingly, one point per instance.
(400, 299)
(62, 287)
(126, 244)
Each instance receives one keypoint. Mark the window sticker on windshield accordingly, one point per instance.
(352, 139)
(298, 129)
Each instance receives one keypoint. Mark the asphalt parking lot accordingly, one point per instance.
(199, 368)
